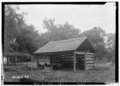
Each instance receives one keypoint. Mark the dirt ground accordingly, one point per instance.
(101, 73)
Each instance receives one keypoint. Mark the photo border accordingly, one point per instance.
(67, 3)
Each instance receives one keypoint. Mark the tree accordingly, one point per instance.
(26, 39)
(110, 44)
(55, 32)
(59, 32)
(11, 29)
(18, 36)
(96, 37)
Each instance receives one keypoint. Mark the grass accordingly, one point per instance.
(101, 73)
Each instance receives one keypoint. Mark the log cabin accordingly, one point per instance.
(76, 53)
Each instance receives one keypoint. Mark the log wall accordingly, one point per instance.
(84, 61)
(89, 61)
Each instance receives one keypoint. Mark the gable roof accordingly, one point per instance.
(61, 45)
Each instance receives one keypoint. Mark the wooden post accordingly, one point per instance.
(44, 63)
(22, 60)
(37, 60)
(85, 61)
(74, 62)
(15, 60)
(7, 60)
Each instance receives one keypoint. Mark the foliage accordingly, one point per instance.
(11, 28)
(25, 39)
(110, 44)
(96, 37)
(18, 36)
(56, 32)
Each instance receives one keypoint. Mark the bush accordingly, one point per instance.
(8, 69)
(27, 80)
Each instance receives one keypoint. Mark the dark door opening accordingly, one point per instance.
(80, 62)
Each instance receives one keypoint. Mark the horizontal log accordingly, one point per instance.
(67, 61)
(90, 53)
(89, 58)
(89, 65)
(87, 68)
(73, 57)
(89, 62)
(80, 64)
(66, 57)
(79, 53)
(79, 57)
(80, 60)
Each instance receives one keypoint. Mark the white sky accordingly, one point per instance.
(83, 17)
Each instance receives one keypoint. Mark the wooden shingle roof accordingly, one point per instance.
(62, 45)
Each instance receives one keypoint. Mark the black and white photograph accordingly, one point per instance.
(59, 43)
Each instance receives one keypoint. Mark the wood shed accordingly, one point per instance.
(76, 53)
